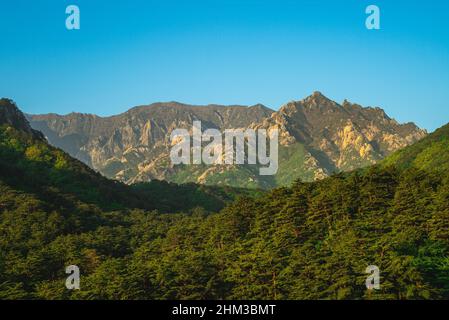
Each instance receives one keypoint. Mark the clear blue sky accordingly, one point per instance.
(130, 53)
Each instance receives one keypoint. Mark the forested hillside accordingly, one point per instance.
(307, 241)
(317, 137)
(430, 154)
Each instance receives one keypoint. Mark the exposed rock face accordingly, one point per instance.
(348, 136)
(134, 146)
(317, 137)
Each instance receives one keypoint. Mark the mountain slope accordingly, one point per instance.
(11, 116)
(29, 163)
(133, 146)
(347, 135)
(313, 240)
(317, 136)
(430, 154)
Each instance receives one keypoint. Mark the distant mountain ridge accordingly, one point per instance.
(30, 165)
(317, 135)
(312, 240)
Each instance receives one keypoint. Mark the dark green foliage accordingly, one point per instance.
(31, 165)
(309, 241)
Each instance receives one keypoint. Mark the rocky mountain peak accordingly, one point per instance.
(318, 95)
(316, 102)
(317, 99)
(317, 136)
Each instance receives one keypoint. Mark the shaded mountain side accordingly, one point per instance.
(11, 116)
(313, 240)
(321, 136)
(29, 164)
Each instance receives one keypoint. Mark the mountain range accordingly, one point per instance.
(318, 137)
(158, 240)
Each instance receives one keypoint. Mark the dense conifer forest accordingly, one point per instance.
(312, 240)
